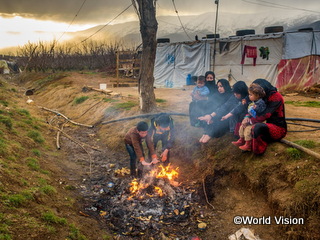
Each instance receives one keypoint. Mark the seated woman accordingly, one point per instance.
(217, 126)
(201, 106)
(275, 126)
(236, 115)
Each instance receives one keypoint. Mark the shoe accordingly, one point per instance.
(247, 147)
(239, 143)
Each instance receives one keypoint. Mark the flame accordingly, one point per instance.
(159, 191)
(134, 186)
(162, 172)
(166, 172)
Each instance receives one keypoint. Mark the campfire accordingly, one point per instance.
(156, 183)
(148, 205)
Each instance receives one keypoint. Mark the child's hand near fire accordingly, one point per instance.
(144, 163)
(154, 159)
(164, 155)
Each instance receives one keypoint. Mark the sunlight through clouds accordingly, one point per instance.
(18, 30)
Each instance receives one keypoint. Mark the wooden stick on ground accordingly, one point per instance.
(306, 150)
(98, 90)
(205, 194)
(60, 114)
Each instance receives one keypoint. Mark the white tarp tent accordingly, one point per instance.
(175, 61)
(234, 59)
(230, 54)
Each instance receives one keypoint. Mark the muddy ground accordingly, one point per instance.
(87, 167)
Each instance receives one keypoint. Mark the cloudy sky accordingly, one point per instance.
(40, 20)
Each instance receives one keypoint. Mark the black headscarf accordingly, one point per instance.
(267, 87)
(225, 84)
(240, 87)
(211, 84)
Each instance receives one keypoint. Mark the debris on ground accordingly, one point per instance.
(243, 234)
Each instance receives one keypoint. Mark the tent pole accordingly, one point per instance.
(215, 34)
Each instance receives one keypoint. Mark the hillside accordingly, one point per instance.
(50, 193)
(170, 27)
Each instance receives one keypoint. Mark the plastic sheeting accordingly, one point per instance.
(281, 58)
(175, 61)
(301, 44)
(298, 73)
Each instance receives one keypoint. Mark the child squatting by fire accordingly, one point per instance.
(161, 130)
(133, 142)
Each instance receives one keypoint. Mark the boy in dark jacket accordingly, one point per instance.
(161, 129)
(133, 141)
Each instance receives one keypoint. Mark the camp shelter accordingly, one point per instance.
(286, 59)
(175, 61)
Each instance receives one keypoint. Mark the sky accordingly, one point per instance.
(23, 21)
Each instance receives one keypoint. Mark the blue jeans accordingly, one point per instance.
(133, 161)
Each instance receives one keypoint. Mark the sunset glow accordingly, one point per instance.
(18, 31)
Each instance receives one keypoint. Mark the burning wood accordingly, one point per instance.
(155, 184)
(148, 205)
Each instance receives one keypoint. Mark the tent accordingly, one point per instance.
(286, 59)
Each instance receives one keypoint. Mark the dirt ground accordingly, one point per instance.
(90, 170)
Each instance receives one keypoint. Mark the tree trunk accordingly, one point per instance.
(148, 30)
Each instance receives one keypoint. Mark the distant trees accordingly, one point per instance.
(146, 11)
(56, 57)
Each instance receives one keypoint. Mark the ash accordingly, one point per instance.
(144, 213)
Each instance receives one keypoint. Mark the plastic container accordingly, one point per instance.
(189, 80)
(103, 86)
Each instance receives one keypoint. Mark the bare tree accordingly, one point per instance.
(148, 28)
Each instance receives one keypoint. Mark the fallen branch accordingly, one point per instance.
(60, 114)
(88, 88)
(143, 116)
(58, 138)
(306, 150)
(205, 194)
(79, 143)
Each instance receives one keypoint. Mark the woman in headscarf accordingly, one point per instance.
(211, 82)
(235, 116)
(200, 106)
(214, 127)
(275, 126)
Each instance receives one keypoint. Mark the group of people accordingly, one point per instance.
(254, 114)
(161, 130)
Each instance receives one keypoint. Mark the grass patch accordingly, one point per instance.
(109, 100)
(306, 143)
(4, 103)
(79, 100)
(314, 104)
(33, 164)
(75, 234)
(23, 112)
(17, 200)
(70, 187)
(36, 152)
(48, 190)
(51, 218)
(7, 121)
(35, 136)
(125, 105)
(4, 228)
(159, 100)
(5, 236)
(3, 147)
(294, 153)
